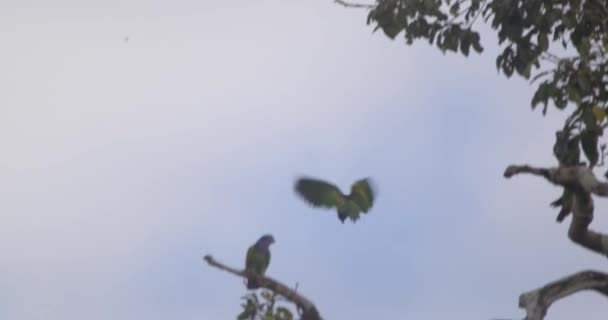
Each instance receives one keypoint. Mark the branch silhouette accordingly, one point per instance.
(583, 183)
(307, 309)
(537, 302)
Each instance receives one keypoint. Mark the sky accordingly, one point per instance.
(124, 161)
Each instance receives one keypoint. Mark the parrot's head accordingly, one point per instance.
(265, 241)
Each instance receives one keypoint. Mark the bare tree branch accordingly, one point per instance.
(309, 311)
(579, 233)
(517, 169)
(537, 302)
(354, 5)
(581, 180)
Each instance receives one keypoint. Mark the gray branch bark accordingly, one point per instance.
(308, 309)
(582, 182)
(537, 302)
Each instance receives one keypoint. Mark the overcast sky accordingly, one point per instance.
(124, 161)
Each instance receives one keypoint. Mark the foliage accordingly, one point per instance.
(527, 30)
(265, 308)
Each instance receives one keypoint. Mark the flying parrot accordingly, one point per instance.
(258, 258)
(319, 193)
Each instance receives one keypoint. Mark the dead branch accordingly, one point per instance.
(354, 5)
(581, 180)
(308, 309)
(517, 169)
(537, 302)
(579, 233)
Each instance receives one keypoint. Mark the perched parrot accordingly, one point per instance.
(258, 258)
(566, 150)
(319, 193)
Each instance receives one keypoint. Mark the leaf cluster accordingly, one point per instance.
(429, 19)
(527, 30)
(263, 307)
(582, 130)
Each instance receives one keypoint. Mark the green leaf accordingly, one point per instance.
(465, 46)
(499, 60)
(600, 114)
(573, 94)
(244, 315)
(576, 37)
(475, 41)
(569, 20)
(584, 46)
(541, 94)
(543, 41)
(266, 295)
(583, 82)
(249, 310)
(454, 9)
(451, 42)
(590, 120)
(508, 69)
(284, 314)
(560, 102)
(566, 149)
(589, 144)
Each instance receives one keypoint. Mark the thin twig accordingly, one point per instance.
(354, 5)
(481, 8)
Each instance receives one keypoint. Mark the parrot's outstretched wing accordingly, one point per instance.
(362, 193)
(319, 193)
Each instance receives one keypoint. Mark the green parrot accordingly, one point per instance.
(258, 259)
(319, 193)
